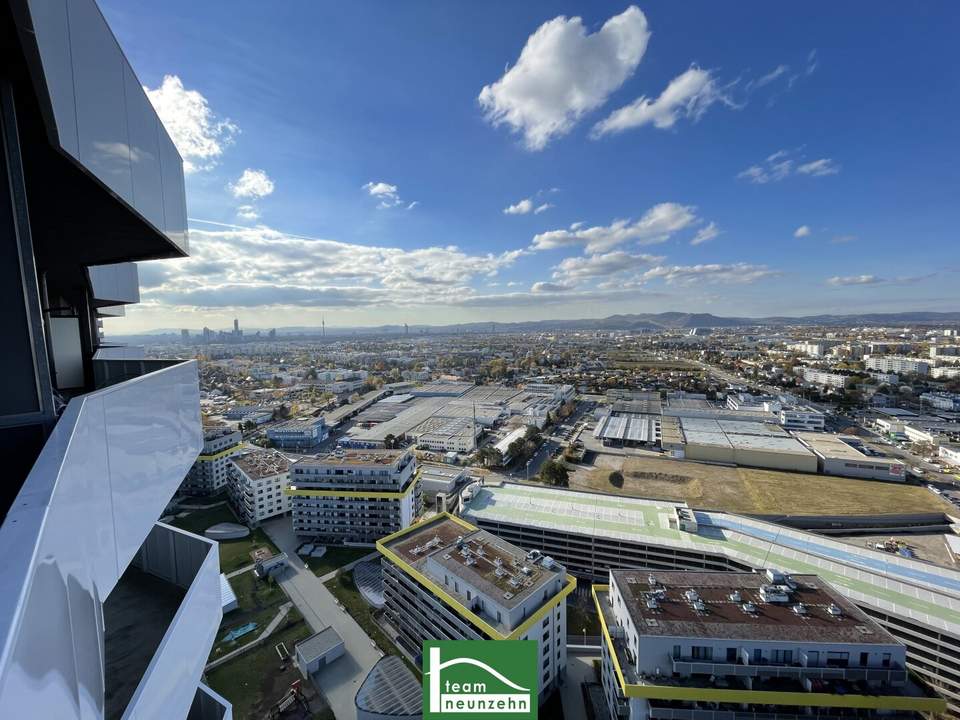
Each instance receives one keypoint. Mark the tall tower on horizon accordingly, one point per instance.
(236, 326)
(323, 327)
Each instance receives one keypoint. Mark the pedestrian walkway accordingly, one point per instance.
(241, 571)
(349, 566)
(270, 629)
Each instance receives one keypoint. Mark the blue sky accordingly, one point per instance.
(736, 158)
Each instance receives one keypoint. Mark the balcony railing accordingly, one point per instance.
(894, 675)
(105, 474)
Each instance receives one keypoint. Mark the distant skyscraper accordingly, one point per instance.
(185, 335)
(236, 326)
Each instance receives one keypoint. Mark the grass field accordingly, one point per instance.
(234, 554)
(335, 557)
(754, 491)
(344, 589)
(257, 601)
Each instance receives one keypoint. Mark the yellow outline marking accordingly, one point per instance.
(457, 605)
(762, 697)
(217, 456)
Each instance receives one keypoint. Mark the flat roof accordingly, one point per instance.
(914, 589)
(258, 464)
(667, 607)
(374, 456)
(843, 447)
(319, 644)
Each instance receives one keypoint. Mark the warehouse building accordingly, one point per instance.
(445, 579)
(300, 434)
(447, 434)
(848, 456)
(745, 443)
(591, 533)
(745, 645)
(626, 429)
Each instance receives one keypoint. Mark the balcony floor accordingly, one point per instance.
(136, 616)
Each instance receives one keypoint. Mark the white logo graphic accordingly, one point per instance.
(472, 697)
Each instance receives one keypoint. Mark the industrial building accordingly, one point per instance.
(447, 434)
(209, 472)
(745, 443)
(848, 456)
(627, 429)
(445, 579)
(354, 496)
(257, 481)
(743, 644)
(590, 533)
(299, 434)
(802, 418)
(104, 611)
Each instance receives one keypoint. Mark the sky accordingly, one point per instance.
(438, 162)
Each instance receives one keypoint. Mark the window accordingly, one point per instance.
(676, 652)
(701, 652)
(546, 663)
(864, 659)
(546, 621)
(731, 655)
(886, 659)
(758, 656)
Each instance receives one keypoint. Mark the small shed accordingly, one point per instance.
(317, 651)
(228, 599)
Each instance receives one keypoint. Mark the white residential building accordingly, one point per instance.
(897, 364)
(945, 372)
(950, 453)
(257, 481)
(354, 496)
(445, 579)
(825, 378)
(210, 470)
(942, 401)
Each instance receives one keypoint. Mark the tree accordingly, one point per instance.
(518, 449)
(555, 473)
(389, 441)
(616, 479)
(489, 456)
(532, 434)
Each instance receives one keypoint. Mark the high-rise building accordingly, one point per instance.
(104, 612)
(354, 496)
(677, 645)
(209, 472)
(445, 579)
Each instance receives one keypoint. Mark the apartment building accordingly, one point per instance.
(825, 378)
(104, 611)
(209, 472)
(258, 479)
(802, 418)
(354, 496)
(942, 401)
(445, 579)
(897, 364)
(691, 645)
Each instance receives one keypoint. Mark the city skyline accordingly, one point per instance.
(748, 164)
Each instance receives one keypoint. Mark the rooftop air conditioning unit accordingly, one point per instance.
(834, 610)
(735, 596)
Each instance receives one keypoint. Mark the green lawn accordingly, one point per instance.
(257, 601)
(234, 554)
(254, 681)
(344, 589)
(336, 557)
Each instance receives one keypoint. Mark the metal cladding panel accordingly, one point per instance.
(169, 684)
(115, 284)
(102, 116)
(74, 528)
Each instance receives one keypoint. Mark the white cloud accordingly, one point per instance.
(854, 280)
(573, 270)
(253, 184)
(656, 226)
(548, 287)
(543, 208)
(812, 62)
(802, 231)
(199, 135)
(519, 208)
(732, 274)
(768, 78)
(388, 195)
(819, 168)
(234, 266)
(562, 73)
(783, 164)
(688, 95)
(705, 234)
(248, 212)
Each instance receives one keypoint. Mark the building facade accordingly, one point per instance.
(687, 645)
(95, 445)
(354, 496)
(209, 472)
(802, 419)
(825, 378)
(445, 579)
(258, 479)
(897, 364)
(300, 434)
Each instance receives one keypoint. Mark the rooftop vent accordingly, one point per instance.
(735, 596)
(834, 610)
(651, 622)
(749, 607)
(651, 580)
(526, 570)
(699, 606)
(652, 603)
(548, 562)
(691, 595)
(800, 609)
(499, 572)
(446, 556)
(507, 595)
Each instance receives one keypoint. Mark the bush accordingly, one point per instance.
(616, 479)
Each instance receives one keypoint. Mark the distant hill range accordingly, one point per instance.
(652, 322)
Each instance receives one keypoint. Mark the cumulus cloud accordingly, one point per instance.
(519, 208)
(388, 195)
(783, 164)
(548, 287)
(232, 266)
(562, 73)
(252, 184)
(838, 280)
(199, 135)
(248, 212)
(705, 234)
(802, 231)
(819, 168)
(731, 274)
(689, 95)
(573, 270)
(656, 226)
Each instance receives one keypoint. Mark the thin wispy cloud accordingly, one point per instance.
(387, 195)
(786, 163)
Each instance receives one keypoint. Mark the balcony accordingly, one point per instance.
(161, 620)
(894, 675)
(104, 476)
(208, 705)
(673, 711)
